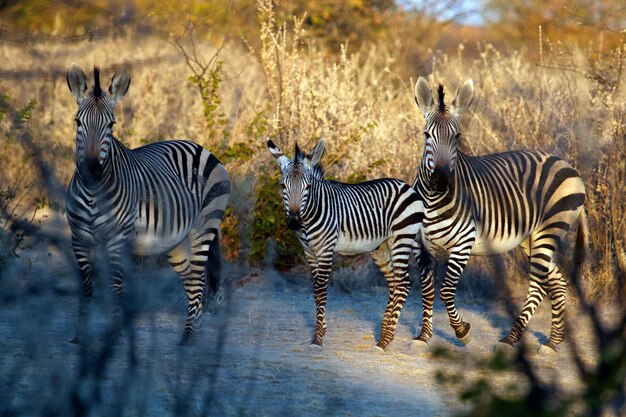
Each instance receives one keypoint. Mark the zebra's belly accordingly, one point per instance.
(486, 246)
(350, 246)
(153, 244)
(483, 245)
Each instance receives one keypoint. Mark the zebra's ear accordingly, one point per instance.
(424, 95)
(277, 154)
(464, 96)
(119, 84)
(298, 154)
(317, 153)
(76, 81)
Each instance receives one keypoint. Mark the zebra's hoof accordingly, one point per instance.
(76, 341)
(463, 333)
(186, 341)
(379, 350)
(466, 339)
(548, 349)
(315, 346)
(418, 345)
(507, 341)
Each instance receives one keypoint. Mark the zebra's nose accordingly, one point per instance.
(294, 221)
(441, 178)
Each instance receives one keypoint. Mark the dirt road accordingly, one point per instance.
(252, 356)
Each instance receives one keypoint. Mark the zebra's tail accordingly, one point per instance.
(582, 244)
(213, 269)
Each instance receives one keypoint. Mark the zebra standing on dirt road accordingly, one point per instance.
(382, 216)
(166, 197)
(491, 204)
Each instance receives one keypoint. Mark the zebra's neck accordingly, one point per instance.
(310, 212)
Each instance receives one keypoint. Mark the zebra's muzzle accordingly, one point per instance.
(90, 171)
(294, 222)
(440, 179)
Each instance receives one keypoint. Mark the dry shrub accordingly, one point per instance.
(351, 100)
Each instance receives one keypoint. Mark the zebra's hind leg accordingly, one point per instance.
(557, 291)
(536, 293)
(540, 252)
(188, 260)
(399, 286)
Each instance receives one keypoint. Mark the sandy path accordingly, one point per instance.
(252, 357)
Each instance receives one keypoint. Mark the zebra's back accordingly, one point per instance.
(367, 213)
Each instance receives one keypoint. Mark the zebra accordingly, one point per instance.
(490, 204)
(165, 197)
(381, 216)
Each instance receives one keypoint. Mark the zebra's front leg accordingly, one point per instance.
(320, 287)
(85, 265)
(456, 264)
(117, 262)
(427, 278)
(400, 292)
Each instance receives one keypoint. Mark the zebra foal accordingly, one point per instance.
(166, 197)
(481, 205)
(382, 216)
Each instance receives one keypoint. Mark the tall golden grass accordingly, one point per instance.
(360, 101)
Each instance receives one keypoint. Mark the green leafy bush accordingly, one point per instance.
(268, 224)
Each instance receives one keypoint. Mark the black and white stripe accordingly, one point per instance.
(382, 216)
(166, 197)
(491, 204)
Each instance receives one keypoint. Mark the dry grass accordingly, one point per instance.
(360, 101)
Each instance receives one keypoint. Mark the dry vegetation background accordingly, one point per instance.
(228, 74)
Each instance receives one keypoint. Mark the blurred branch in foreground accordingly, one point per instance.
(27, 186)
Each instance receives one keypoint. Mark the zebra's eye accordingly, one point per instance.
(427, 135)
(110, 126)
(78, 122)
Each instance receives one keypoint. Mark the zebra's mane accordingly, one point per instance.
(316, 171)
(440, 93)
(97, 90)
